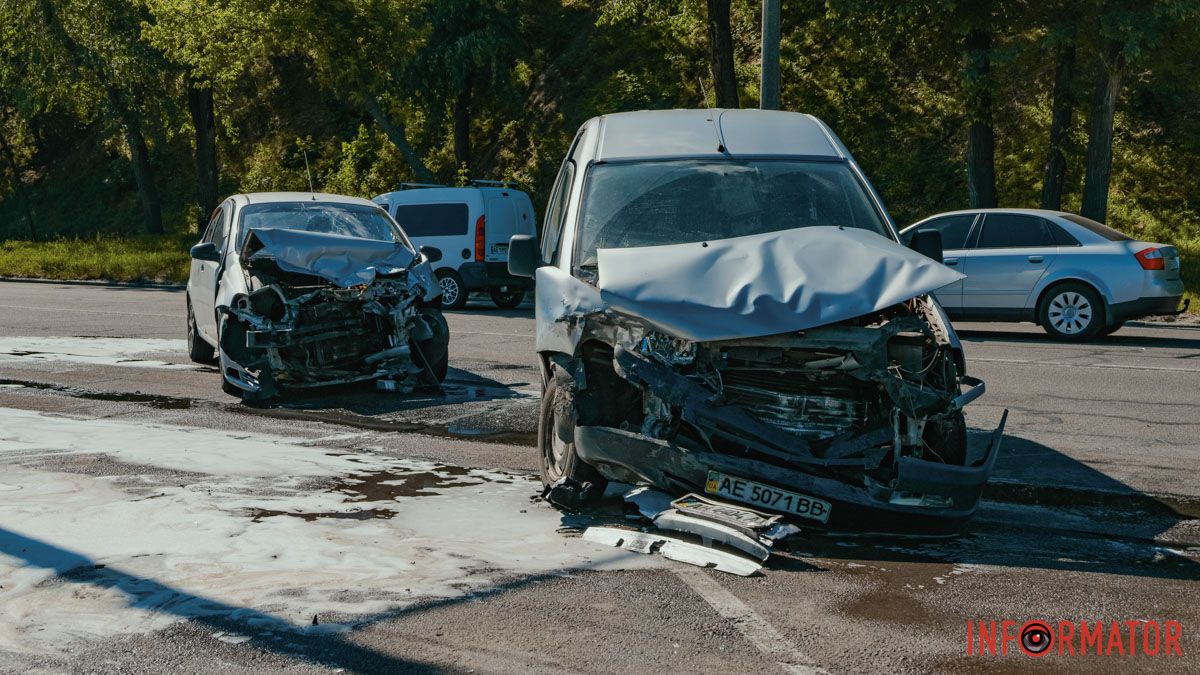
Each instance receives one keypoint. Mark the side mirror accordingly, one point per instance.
(523, 255)
(206, 251)
(430, 253)
(928, 243)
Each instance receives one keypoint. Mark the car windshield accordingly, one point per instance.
(347, 220)
(633, 204)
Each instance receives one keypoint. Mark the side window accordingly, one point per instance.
(212, 233)
(433, 220)
(1010, 230)
(556, 211)
(220, 230)
(954, 229)
(1061, 236)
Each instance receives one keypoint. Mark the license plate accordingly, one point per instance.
(757, 494)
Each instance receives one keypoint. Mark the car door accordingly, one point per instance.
(1007, 254)
(954, 229)
(204, 277)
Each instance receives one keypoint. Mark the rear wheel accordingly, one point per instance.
(198, 350)
(454, 291)
(558, 459)
(506, 297)
(1072, 311)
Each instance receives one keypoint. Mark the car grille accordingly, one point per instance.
(792, 401)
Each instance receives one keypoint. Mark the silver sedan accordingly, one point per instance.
(1075, 277)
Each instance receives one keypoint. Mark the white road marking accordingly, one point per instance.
(1117, 366)
(752, 625)
(59, 310)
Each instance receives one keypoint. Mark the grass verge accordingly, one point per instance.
(137, 259)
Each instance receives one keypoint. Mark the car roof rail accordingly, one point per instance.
(511, 184)
(417, 186)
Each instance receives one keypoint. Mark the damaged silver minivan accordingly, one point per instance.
(724, 308)
(295, 290)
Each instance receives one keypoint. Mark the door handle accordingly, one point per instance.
(1036, 258)
(950, 262)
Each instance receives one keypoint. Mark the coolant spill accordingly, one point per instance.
(262, 530)
(98, 351)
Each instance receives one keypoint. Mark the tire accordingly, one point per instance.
(1109, 330)
(454, 291)
(1072, 311)
(506, 299)
(436, 350)
(557, 458)
(198, 350)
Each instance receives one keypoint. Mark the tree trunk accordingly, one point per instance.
(981, 138)
(397, 135)
(139, 156)
(1061, 109)
(720, 43)
(1100, 139)
(462, 129)
(200, 104)
(17, 186)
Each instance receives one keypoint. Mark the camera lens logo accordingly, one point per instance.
(1036, 638)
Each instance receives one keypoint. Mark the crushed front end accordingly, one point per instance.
(292, 330)
(855, 425)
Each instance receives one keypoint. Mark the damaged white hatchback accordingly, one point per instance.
(724, 308)
(295, 290)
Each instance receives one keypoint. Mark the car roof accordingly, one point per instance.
(1045, 213)
(284, 197)
(716, 133)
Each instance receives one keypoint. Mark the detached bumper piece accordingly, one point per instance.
(721, 528)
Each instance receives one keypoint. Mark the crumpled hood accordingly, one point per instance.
(765, 284)
(345, 261)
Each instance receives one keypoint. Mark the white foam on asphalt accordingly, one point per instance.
(174, 545)
(128, 352)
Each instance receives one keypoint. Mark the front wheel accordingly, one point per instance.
(505, 297)
(570, 482)
(1072, 311)
(454, 291)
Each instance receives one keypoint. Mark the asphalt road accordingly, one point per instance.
(149, 522)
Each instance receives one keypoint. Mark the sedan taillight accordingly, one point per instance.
(1151, 259)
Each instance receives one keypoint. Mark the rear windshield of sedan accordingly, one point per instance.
(347, 220)
(633, 204)
(1097, 228)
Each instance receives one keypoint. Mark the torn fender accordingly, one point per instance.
(765, 284)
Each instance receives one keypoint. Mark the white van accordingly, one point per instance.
(472, 227)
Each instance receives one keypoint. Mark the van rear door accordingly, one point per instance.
(502, 218)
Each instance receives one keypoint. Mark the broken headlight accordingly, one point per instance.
(667, 350)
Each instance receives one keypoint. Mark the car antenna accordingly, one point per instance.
(309, 174)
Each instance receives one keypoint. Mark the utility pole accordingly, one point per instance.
(768, 98)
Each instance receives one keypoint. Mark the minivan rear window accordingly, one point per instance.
(1097, 228)
(433, 220)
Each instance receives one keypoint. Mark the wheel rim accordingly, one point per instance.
(191, 328)
(450, 290)
(1070, 313)
(556, 449)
